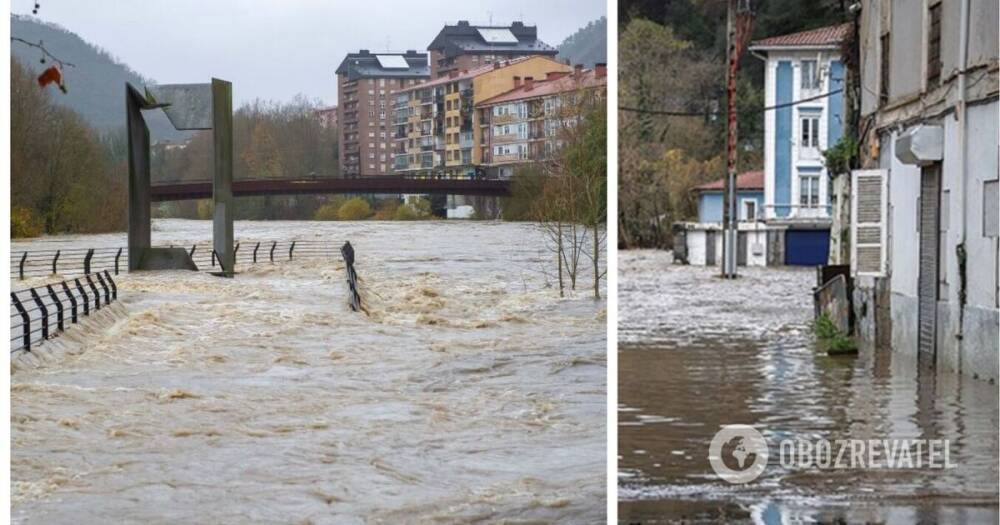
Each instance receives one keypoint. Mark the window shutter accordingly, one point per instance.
(869, 201)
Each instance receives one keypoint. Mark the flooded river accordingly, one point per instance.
(473, 392)
(697, 352)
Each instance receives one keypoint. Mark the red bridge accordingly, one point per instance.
(175, 191)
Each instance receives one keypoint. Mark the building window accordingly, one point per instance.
(934, 47)
(809, 190)
(750, 210)
(810, 75)
(810, 131)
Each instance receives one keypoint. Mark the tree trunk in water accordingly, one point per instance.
(559, 256)
(597, 259)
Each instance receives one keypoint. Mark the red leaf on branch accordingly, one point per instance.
(51, 75)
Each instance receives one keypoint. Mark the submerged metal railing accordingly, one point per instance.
(82, 261)
(354, 299)
(40, 313)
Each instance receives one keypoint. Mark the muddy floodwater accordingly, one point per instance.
(472, 392)
(697, 352)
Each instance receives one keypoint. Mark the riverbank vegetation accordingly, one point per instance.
(567, 194)
(64, 176)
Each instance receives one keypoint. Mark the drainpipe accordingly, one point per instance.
(962, 114)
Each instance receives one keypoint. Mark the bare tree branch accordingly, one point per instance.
(41, 46)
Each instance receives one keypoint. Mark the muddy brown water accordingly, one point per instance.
(473, 392)
(697, 352)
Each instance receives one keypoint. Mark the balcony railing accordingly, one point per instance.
(798, 211)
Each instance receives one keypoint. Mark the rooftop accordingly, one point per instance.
(557, 82)
(749, 180)
(464, 38)
(365, 64)
(829, 36)
(474, 72)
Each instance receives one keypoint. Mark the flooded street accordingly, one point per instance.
(473, 392)
(697, 352)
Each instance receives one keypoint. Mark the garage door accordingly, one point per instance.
(807, 247)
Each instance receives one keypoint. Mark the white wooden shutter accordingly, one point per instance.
(869, 202)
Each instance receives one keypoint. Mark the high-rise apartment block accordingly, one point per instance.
(367, 84)
(467, 47)
(437, 126)
(527, 124)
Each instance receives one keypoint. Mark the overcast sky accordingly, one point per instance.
(275, 49)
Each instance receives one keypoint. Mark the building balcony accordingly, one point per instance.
(506, 119)
(507, 139)
(799, 213)
(511, 157)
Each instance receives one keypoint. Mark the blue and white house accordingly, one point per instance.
(803, 87)
(700, 243)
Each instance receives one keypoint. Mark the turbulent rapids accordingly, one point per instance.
(472, 391)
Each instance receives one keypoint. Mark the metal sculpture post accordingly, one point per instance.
(222, 178)
(188, 107)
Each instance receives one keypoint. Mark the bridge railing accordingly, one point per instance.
(42, 312)
(162, 181)
(70, 262)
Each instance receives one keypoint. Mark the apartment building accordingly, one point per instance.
(436, 125)
(464, 47)
(924, 219)
(524, 124)
(804, 80)
(367, 84)
(327, 116)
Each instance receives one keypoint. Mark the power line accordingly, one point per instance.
(717, 114)
(40, 46)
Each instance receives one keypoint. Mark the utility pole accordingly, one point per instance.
(739, 20)
(729, 184)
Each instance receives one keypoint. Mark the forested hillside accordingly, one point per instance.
(95, 86)
(588, 46)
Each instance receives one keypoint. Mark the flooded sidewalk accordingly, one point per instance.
(473, 392)
(697, 352)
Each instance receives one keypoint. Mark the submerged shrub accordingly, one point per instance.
(355, 209)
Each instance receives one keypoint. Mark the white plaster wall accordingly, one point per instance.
(771, 69)
(982, 252)
(696, 247)
(904, 191)
(756, 234)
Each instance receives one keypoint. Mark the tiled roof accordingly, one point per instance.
(750, 180)
(472, 73)
(823, 36)
(540, 88)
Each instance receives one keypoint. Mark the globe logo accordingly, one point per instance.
(738, 453)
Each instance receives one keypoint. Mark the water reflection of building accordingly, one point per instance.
(925, 250)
